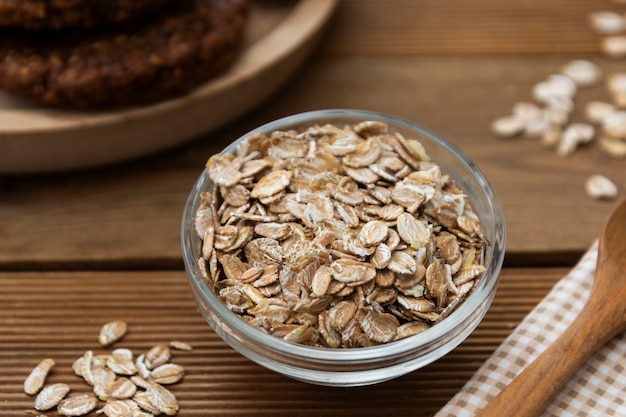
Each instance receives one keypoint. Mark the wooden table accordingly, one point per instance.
(78, 249)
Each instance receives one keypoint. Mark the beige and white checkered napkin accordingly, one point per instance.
(597, 389)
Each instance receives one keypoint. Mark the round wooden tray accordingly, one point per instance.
(38, 139)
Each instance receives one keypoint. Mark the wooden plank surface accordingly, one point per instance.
(80, 248)
(401, 27)
(59, 314)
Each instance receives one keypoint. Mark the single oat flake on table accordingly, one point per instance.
(337, 236)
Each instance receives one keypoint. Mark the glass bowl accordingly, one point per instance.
(363, 365)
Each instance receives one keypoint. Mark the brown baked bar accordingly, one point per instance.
(61, 14)
(132, 64)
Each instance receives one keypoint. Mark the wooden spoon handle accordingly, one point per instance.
(531, 391)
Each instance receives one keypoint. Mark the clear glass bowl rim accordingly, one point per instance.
(352, 355)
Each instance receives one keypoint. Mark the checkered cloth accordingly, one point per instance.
(597, 389)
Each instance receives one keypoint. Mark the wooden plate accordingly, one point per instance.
(279, 36)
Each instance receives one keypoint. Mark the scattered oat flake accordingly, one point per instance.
(600, 187)
(596, 110)
(51, 396)
(162, 399)
(157, 356)
(614, 124)
(37, 377)
(84, 367)
(615, 148)
(142, 368)
(77, 406)
(142, 400)
(584, 73)
(614, 46)
(117, 408)
(121, 364)
(616, 82)
(606, 22)
(103, 379)
(122, 389)
(178, 345)
(508, 126)
(168, 373)
(111, 332)
(555, 85)
(574, 136)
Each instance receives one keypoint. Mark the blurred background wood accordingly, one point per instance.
(398, 27)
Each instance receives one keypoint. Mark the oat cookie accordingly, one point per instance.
(131, 64)
(62, 14)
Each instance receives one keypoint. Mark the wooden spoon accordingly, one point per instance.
(602, 318)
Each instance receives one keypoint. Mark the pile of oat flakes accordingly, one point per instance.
(337, 237)
(549, 119)
(125, 386)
